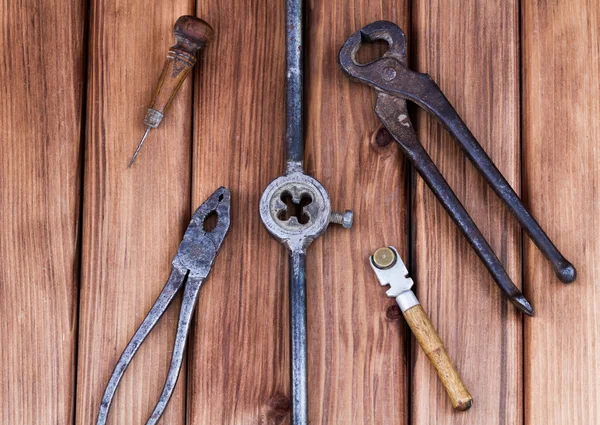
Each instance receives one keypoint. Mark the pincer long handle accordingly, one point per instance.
(164, 299)
(190, 295)
(433, 100)
(390, 109)
(432, 345)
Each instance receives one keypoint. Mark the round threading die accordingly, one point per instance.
(309, 195)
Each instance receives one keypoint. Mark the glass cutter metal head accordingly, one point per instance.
(191, 266)
(395, 84)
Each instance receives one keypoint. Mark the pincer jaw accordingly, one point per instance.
(218, 203)
(199, 247)
(380, 30)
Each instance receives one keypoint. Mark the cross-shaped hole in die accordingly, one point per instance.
(294, 209)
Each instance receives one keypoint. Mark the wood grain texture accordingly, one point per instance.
(40, 145)
(561, 182)
(357, 362)
(133, 219)
(239, 371)
(434, 349)
(470, 49)
(238, 353)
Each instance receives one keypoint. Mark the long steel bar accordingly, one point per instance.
(294, 137)
(294, 145)
(298, 337)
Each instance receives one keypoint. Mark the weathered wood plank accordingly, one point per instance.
(41, 70)
(472, 50)
(133, 219)
(238, 356)
(358, 364)
(239, 370)
(561, 64)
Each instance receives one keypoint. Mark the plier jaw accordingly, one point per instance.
(199, 247)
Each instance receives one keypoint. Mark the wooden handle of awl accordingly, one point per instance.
(191, 34)
(434, 348)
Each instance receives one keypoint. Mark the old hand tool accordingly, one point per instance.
(390, 270)
(191, 266)
(191, 35)
(296, 209)
(395, 84)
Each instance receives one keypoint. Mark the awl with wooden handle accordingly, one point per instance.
(390, 270)
(191, 34)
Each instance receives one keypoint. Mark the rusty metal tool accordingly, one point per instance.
(390, 270)
(191, 34)
(296, 209)
(191, 266)
(395, 84)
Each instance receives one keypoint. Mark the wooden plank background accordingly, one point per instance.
(86, 243)
(476, 64)
(41, 91)
(133, 219)
(561, 182)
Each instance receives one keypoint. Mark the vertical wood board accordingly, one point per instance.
(238, 356)
(133, 219)
(471, 49)
(561, 183)
(240, 352)
(41, 70)
(357, 357)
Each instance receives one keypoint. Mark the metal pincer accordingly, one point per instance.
(395, 84)
(191, 266)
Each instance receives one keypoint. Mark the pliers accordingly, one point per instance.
(395, 84)
(191, 266)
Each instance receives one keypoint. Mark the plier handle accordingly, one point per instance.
(395, 84)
